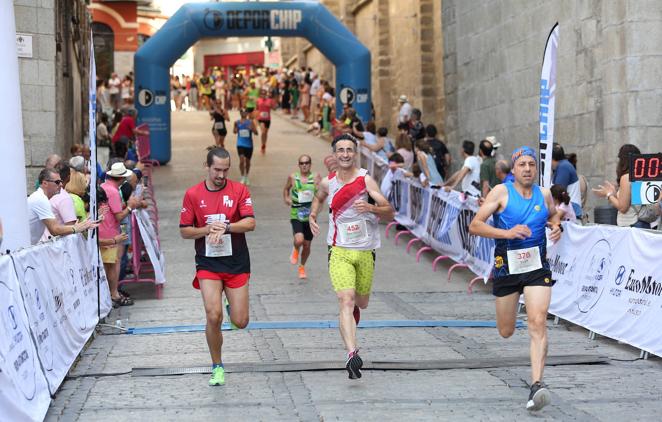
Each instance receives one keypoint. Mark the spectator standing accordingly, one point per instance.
(404, 113)
(488, 177)
(503, 173)
(403, 147)
(426, 162)
(114, 84)
(562, 203)
(442, 157)
(416, 127)
(469, 174)
(372, 142)
(126, 91)
(315, 90)
(566, 175)
(77, 188)
(61, 203)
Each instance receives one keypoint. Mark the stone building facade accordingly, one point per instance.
(54, 80)
(609, 68)
(405, 39)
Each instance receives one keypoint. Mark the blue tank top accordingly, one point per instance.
(519, 210)
(244, 135)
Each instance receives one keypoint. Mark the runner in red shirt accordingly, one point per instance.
(216, 213)
(264, 106)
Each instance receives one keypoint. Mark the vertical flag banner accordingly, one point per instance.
(547, 101)
(92, 110)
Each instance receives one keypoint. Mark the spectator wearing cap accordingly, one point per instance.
(404, 114)
(40, 212)
(469, 174)
(488, 177)
(110, 228)
(566, 176)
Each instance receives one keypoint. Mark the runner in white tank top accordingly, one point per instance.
(356, 205)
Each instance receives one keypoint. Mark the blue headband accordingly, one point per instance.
(522, 151)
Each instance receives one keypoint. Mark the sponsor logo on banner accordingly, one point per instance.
(283, 19)
(16, 348)
(36, 297)
(593, 275)
(76, 303)
(645, 284)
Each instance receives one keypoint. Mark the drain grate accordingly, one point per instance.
(424, 365)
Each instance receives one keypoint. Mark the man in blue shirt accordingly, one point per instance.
(566, 176)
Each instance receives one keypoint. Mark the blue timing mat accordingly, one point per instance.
(287, 325)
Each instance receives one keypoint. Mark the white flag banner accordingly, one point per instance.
(547, 106)
(58, 287)
(23, 390)
(614, 286)
(151, 242)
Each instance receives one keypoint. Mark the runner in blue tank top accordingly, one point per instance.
(245, 129)
(521, 212)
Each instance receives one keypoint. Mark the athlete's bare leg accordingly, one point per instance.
(238, 299)
(298, 242)
(264, 132)
(537, 300)
(506, 314)
(346, 301)
(211, 291)
(305, 251)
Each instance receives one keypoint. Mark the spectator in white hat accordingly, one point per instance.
(405, 109)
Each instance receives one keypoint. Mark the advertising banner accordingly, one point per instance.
(614, 286)
(59, 291)
(547, 106)
(23, 390)
(151, 242)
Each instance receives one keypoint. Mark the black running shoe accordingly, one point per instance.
(539, 397)
(354, 365)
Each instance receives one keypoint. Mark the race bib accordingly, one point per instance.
(244, 133)
(353, 232)
(524, 260)
(264, 114)
(223, 248)
(306, 196)
(219, 125)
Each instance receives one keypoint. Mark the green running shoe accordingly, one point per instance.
(227, 309)
(217, 376)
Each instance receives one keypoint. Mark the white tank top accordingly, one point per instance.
(348, 228)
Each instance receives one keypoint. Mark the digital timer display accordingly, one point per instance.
(645, 167)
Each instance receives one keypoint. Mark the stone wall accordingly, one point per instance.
(404, 38)
(610, 65)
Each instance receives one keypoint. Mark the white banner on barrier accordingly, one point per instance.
(23, 390)
(58, 287)
(609, 280)
(150, 240)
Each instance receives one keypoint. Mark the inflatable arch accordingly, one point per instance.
(193, 21)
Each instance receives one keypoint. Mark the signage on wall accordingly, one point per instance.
(24, 45)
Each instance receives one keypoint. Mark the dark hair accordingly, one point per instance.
(416, 169)
(416, 113)
(468, 147)
(486, 147)
(623, 165)
(557, 152)
(382, 131)
(560, 194)
(572, 157)
(343, 137)
(45, 174)
(431, 130)
(218, 152)
(371, 127)
(403, 126)
(396, 158)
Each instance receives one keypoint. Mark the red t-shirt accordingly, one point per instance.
(264, 108)
(231, 203)
(125, 128)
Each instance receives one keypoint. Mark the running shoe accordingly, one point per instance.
(217, 376)
(302, 272)
(357, 314)
(294, 256)
(354, 365)
(539, 397)
(227, 309)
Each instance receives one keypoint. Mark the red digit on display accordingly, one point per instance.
(639, 166)
(653, 167)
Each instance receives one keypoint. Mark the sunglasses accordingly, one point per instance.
(303, 163)
(57, 182)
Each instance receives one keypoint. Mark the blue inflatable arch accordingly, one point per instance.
(193, 21)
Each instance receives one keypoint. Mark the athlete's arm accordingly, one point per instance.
(236, 128)
(495, 200)
(382, 208)
(253, 127)
(246, 224)
(190, 232)
(286, 191)
(320, 197)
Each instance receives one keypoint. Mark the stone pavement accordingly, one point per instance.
(101, 387)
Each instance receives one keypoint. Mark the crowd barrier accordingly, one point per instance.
(609, 279)
(51, 298)
(147, 263)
